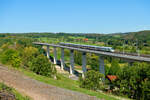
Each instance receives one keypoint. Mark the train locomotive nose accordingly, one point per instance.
(112, 50)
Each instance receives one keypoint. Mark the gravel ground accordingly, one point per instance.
(38, 90)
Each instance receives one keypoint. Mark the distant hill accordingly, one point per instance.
(141, 35)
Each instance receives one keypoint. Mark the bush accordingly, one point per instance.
(78, 57)
(134, 82)
(11, 56)
(115, 68)
(15, 60)
(6, 56)
(92, 80)
(28, 54)
(41, 65)
(93, 61)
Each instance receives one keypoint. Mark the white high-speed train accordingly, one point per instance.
(97, 48)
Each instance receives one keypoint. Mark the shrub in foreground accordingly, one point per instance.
(134, 82)
(11, 56)
(92, 80)
(41, 65)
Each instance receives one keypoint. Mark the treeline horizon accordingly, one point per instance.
(71, 32)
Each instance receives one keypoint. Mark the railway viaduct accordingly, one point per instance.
(101, 54)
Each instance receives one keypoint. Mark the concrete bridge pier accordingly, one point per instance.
(55, 56)
(48, 53)
(62, 59)
(71, 62)
(101, 65)
(84, 64)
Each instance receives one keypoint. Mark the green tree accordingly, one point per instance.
(16, 60)
(78, 57)
(11, 56)
(28, 54)
(135, 81)
(41, 65)
(92, 80)
(115, 68)
(6, 56)
(107, 70)
(93, 62)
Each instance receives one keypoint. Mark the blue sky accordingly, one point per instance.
(86, 16)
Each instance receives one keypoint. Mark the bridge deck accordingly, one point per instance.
(118, 55)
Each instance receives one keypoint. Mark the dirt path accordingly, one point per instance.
(38, 90)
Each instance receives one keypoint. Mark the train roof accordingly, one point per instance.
(86, 45)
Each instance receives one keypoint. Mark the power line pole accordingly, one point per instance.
(123, 46)
(137, 49)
